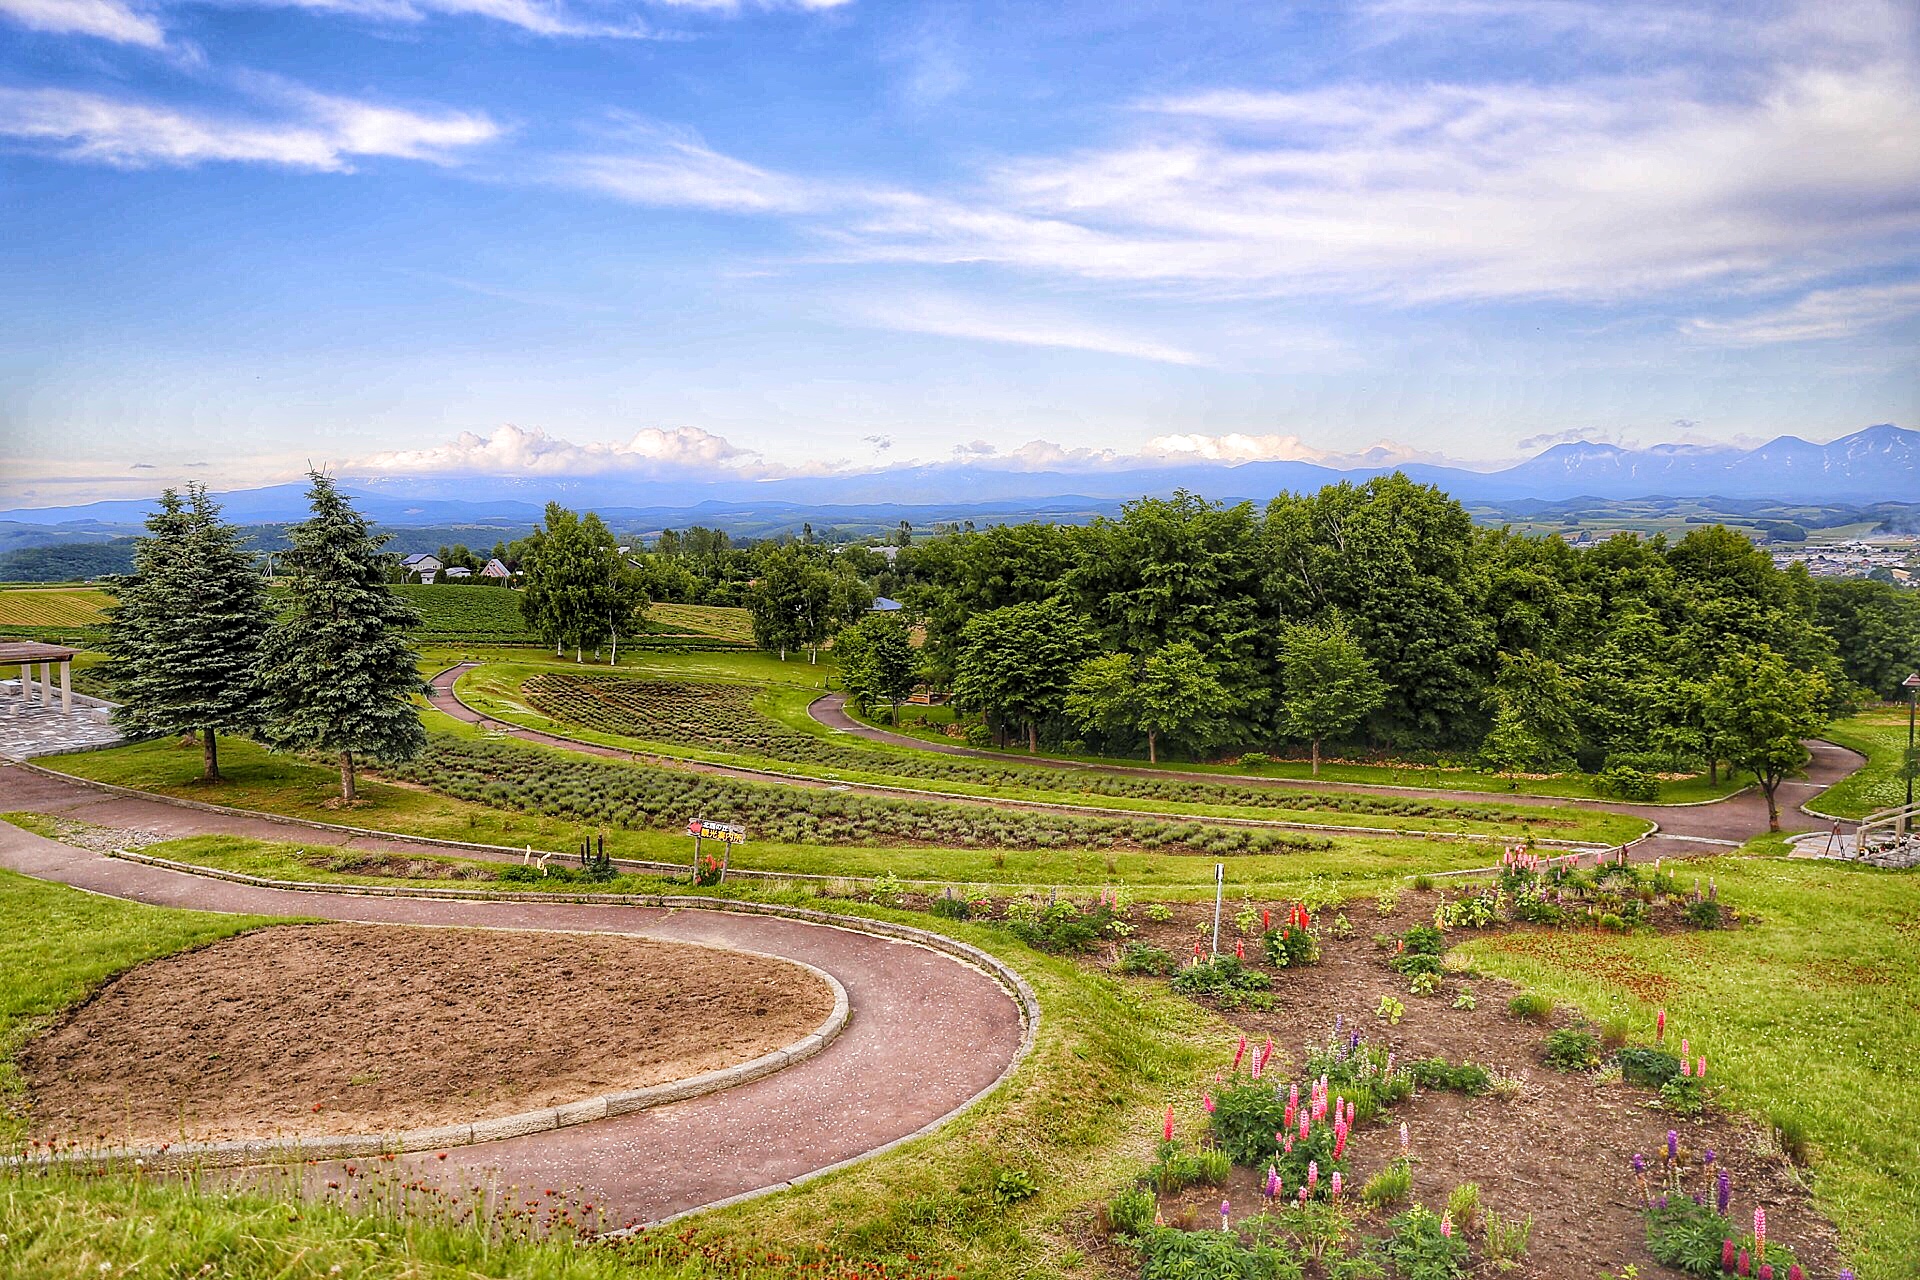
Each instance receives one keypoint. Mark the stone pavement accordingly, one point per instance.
(34, 729)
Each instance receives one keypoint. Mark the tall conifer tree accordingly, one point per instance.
(186, 630)
(339, 672)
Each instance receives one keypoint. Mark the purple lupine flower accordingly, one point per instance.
(1708, 1159)
(1639, 1161)
(1673, 1144)
(1723, 1192)
(1225, 1208)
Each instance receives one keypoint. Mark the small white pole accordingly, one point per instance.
(1219, 892)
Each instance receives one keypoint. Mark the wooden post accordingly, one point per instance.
(726, 859)
(696, 859)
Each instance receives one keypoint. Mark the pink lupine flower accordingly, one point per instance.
(1760, 1232)
(1335, 1187)
(1446, 1226)
(1660, 1026)
(1239, 951)
(1403, 1138)
(1303, 1196)
(1686, 1049)
(1726, 1255)
(1794, 1272)
(1766, 1271)
(1166, 1129)
(1305, 1126)
(1686, 1067)
(1239, 1053)
(1266, 1053)
(1206, 1100)
(1266, 920)
(1700, 1068)
(1741, 1265)
(1313, 1174)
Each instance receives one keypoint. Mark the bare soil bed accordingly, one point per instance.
(1558, 1148)
(302, 1030)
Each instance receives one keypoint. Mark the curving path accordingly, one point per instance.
(1682, 829)
(928, 1034)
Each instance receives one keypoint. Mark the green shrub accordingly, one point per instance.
(1703, 914)
(1571, 1049)
(1529, 1007)
(1684, 1095)
(948, 907)
(1140, 958)
(1627, 783)
(1389, 1186)
(1652, 1067)
(979, 737)
(1168, 1254)
(1131, 1212)
(1420, 1251)
(1463, 1204)
(1158, 912)
(1469, 1077)
(1424, 940)
(1291, 945)
(1255, 760)
(1506, 1239)
(1687, 1236)
(1227, 982)
(514, 873)
(1413, 962)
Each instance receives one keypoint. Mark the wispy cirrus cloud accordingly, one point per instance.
(100, 19)
(1820, 315)
(957, 318)
(644, 163)
(318, 132)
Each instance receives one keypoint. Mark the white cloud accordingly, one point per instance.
(513, 450)
(328, 133)
(536, 16)
(1822, 314)
(955, 318)
(656, 166)
(103, 19)
(1235, 447)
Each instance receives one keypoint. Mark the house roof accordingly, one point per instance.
(419, 557)
(33, 651)
(885, 604)
(459, 571)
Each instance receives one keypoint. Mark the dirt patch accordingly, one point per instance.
(304, 1030)
(1557, 1147)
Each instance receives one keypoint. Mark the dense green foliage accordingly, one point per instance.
(1589, 656)
(67, 562)
(581, 594)
(185, 631)
(803, 597)
(338, 675)
(878, 663)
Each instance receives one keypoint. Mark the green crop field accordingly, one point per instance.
(54, 607)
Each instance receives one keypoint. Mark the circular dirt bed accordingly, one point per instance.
(300, 1030)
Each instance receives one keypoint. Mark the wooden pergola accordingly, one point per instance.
(27, 654)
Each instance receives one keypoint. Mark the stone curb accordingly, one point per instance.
(995, 968)
(1045, 806)
(560, 1116)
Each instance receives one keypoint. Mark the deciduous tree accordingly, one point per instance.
(1329, 683)
(1759, 710)
(878, 662)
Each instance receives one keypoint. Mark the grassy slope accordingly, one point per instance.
(495, 689)
(1805, 1015)
(1881, 736)
(57, 944)
(256, 779)
(1079, 1118)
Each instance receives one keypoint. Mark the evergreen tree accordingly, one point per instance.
(1330, 683)
(185, 632)
(339, 673)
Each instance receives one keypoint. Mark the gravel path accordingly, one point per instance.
(928, 1033)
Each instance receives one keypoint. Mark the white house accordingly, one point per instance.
(459, 571)
(421, 565)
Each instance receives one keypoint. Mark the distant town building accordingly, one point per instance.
(495, 570)
(885, 604)
(459, 571)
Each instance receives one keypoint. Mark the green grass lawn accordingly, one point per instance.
(928, 723)
(496, 690)
(1881, 735)
(257, 779)
(1806, 1015)
(57, 944)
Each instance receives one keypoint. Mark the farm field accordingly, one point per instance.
(54, 613)
(736, 722)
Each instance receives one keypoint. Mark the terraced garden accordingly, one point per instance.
(727, 718)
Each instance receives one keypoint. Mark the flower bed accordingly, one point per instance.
(612, 793)
(722, 717)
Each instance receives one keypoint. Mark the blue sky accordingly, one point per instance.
(571, 236)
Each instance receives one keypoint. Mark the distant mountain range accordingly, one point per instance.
(1880, 463)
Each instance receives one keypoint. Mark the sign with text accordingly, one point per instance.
(702, 829)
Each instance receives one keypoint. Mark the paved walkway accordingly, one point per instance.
(1684, 829)
(38, 729)
(928, 1032)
